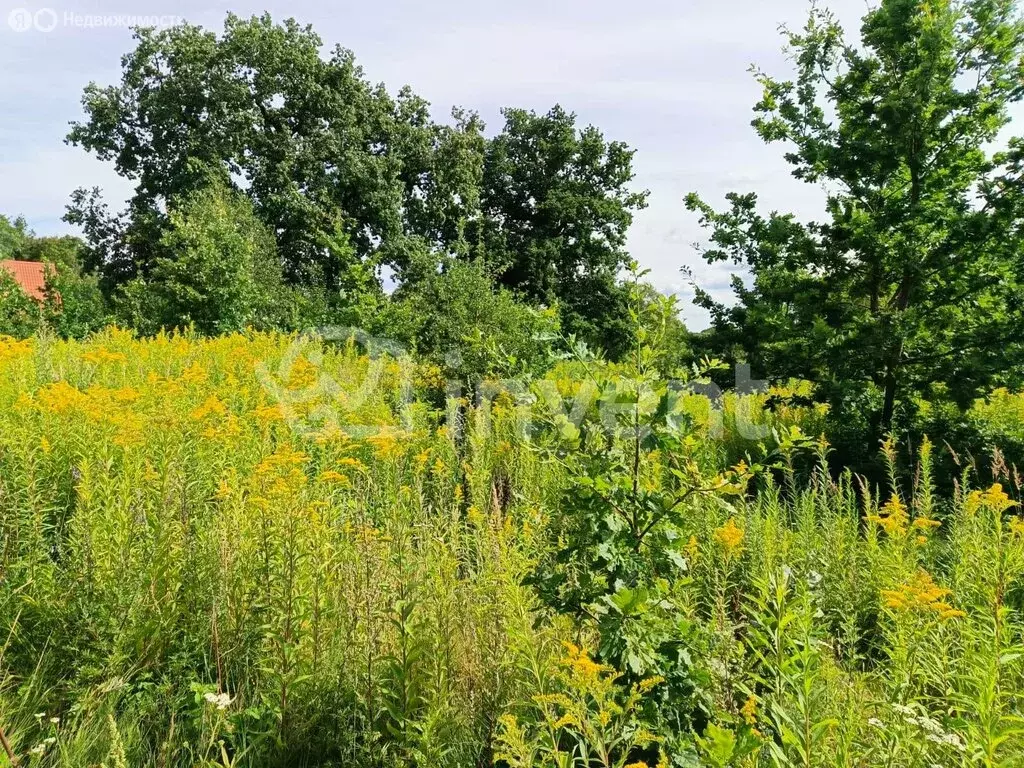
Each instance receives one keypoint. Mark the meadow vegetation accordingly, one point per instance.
(261, 550)
(357, 439)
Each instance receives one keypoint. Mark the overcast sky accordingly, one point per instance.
(670, 78)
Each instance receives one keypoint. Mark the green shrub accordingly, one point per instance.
(220, 272)
(457, 319)
(20, 316)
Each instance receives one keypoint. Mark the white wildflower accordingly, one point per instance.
(954, 741)
(221, 700)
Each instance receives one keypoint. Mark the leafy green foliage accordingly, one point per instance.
(13, 235)
(189, 581)
(638, 472)
(459, 320)
(219, 274)
(321, 150)
(350, 179)
(556, 206)
(911, 285)
(19, 315)
(75, 306)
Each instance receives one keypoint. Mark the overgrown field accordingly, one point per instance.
(256, 551)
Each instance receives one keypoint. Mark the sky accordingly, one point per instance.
(668, 77)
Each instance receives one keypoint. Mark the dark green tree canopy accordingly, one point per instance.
(350, 179)
(220, 275)
(339, 169)
(556, 202)
(556, 207)
(911, 285)
(13, 235)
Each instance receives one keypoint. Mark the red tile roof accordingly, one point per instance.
(30, 275)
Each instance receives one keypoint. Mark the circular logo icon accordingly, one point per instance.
(20, 19)
(45, 19)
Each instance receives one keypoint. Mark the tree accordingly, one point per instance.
(19, 314)
(13, 235)
(350, 179)
(556, 206)
(220, 273)
(911, 286)
(64, 250)
(324, 156)
(74, 305)
(460, 320)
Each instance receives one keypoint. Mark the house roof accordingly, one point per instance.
(30, 275)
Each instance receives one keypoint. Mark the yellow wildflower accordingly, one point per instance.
(730, 537)
(386, 445)
(565, 721)
(213, 406)
(649, 682)
(921, 595)
(267, 414)
(749, 710)
(331, 476)
(303, 374)
(223, 490)
(194, 374)
(584, 669)
(692, 550)
(102, 355)
(994, 498)
(893, 517)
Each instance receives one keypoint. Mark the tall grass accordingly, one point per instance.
(192, 574)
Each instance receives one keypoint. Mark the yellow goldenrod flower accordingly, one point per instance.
(892, 517)
(692, 550)
(213, 406)
(356, 464)
(650, 682)
(995, 498)
(565, 721)
(749, 710)
(730, 537)
(331, 476)
(920, 595)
